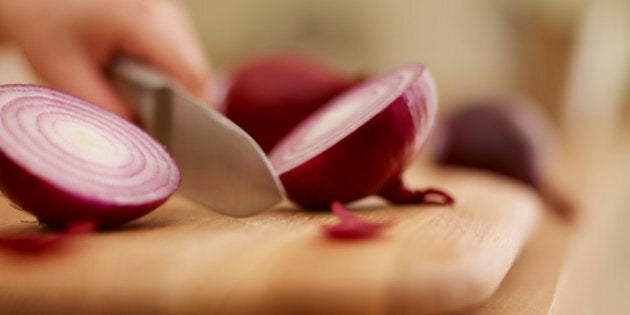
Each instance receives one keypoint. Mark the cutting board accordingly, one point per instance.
(530, 285)
(185, 259)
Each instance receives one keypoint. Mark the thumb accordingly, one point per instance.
(70, 70)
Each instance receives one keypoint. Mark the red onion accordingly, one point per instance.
(65, 160)
(350, 226)
(39, 243)
(505, 136)
(359, 143)
(270, 95)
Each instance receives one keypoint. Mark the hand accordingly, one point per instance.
(70, 43)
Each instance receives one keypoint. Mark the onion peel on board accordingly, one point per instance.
(350, 226)
(43, 243)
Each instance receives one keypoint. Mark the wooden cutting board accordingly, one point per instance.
(530, 285)
(185, 259)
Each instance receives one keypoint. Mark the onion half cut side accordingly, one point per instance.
(359, 143)
(65, 160)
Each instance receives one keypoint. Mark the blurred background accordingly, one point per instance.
(572, 57)
(473, 48)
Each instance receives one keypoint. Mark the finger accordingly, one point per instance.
(161, 33)
(72, 71)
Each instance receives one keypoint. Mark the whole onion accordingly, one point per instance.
(500, 135)
(508, 136)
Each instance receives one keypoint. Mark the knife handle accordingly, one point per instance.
(149, 94)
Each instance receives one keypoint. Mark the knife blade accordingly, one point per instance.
(222, 167)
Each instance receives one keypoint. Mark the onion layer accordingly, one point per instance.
(350, 226)
(359, 143)
(65, 160)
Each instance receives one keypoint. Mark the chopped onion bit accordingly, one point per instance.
(43, 243)
(351, 226)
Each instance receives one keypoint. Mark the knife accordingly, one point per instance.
(222, 166)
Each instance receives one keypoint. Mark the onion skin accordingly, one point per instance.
(270, 95)
(44, 243)
(397, 193)
(351, 227)
(372, 156)
(55, 194)
(57, 208)
(504, 136)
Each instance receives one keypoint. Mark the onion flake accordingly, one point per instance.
(43, 243)
(350, 226)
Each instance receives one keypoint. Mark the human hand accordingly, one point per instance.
(70, 43)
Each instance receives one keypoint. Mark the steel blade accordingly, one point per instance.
(222, 166)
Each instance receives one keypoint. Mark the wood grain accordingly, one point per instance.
(184, 259)
(530, 285)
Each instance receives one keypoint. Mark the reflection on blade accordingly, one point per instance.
(221, 165)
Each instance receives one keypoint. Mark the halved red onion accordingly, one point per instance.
(65, 160)
(359, 143)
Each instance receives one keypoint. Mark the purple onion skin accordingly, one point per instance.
(504, 136)
(270, 95)
(487, 135)
(57, 208)
(357, 166)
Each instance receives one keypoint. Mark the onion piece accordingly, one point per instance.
(40, 243)
(65, 160)
(270, 95)
(359, 143)
(506, 136)
(351, 226)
